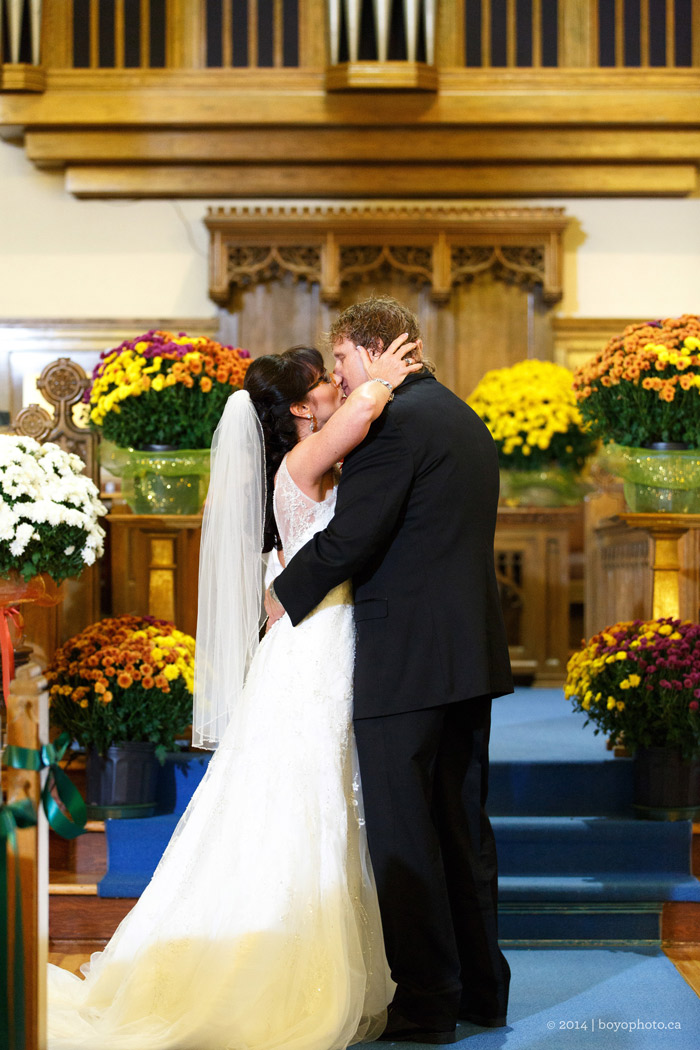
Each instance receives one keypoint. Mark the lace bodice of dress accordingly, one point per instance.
(298, 517)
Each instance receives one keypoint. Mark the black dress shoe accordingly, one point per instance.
(400, 1030)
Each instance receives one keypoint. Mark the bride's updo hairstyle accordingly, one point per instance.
(275, 382)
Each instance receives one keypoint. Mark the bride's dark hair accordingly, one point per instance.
(275, 382)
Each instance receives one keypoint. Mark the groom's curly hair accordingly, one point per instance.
(374, 323)
(275, 382)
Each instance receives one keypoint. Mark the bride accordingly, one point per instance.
(260, 928)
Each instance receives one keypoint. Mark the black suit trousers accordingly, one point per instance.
(425, 781)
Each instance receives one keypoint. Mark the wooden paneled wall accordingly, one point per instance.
(486, 323)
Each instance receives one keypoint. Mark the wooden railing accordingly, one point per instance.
(588, 34)
(275, 97)
(184, 34)
(279, 34)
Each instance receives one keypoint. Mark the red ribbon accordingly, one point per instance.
(8, 612)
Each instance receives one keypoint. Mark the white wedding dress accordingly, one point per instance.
(260, 928)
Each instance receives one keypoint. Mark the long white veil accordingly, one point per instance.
(230, 611)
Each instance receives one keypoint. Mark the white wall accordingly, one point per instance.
(631, 258)
(64, 258)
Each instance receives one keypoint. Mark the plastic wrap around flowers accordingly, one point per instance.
(531, 412)
(640, 680)
(126, 678)
(164, 389)
(644, 385)
(49, 511)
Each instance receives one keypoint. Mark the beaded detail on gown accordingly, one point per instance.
(260, 928)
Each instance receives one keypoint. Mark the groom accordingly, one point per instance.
(414, 528)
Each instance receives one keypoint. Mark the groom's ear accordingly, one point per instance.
(376, 351)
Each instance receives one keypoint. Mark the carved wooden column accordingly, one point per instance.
(634, 576)
(665, 530)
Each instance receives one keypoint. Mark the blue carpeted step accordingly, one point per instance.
(134, 848)
(545, 761)
(566, 789)
(602, 886)
(590, 879)
(565, 875)
(591, 923)
(581, 846)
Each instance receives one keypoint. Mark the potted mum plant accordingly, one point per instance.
(122, 688)
(639, 683)
(641, 395)
(49, 529)
(542, 441)
(49, 511)
(156, 400)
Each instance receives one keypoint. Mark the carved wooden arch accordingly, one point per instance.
(436, 244)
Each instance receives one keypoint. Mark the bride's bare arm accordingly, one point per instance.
(312, 458)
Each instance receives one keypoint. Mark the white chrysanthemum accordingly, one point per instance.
(8, 521)
(44, 510)
(24, 534)
(41, 485)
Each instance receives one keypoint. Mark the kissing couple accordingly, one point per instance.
(358, 727)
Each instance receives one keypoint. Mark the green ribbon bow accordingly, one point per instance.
(13, 815)
(48, 756)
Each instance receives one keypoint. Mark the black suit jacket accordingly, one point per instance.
(414, 528)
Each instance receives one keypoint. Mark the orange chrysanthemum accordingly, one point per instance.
(631, 391)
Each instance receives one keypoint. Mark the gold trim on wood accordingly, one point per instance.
(439, 245)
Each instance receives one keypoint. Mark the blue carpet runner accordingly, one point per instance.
(575, 865)
(564, 999)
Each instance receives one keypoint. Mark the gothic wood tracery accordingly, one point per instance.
(246, 264)
(433, 244)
